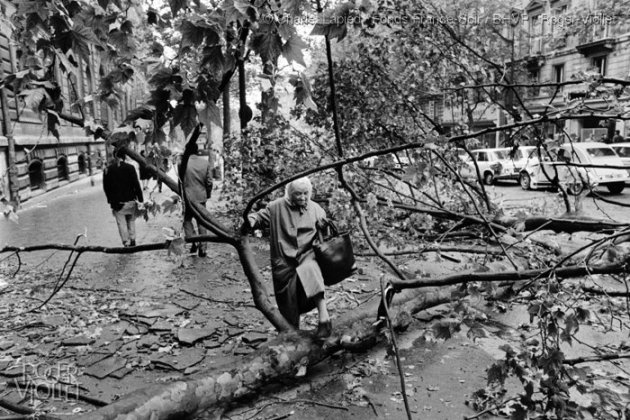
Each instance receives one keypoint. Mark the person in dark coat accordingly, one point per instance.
(297, 279)
(197, 182)
(145, 175)
(122, 190)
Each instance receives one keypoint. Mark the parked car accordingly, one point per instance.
(623, 151)
(494, 164)
(523, 156)
(573, 178)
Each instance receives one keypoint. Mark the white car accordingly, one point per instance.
(494, 164)
(623, 151)
(523, 156)
(575, 178)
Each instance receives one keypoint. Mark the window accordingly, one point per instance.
(623, 151)
(62, 168)
(534, 79)
(600, 152)
(36, 174)
(558, 73)
(82, 164)
(599, 63)
(482, 157)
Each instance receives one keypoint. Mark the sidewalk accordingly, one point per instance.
(72, 188)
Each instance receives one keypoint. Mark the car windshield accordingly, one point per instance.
(525, 153)
(600, 152)
(502, 154)
(623, 151)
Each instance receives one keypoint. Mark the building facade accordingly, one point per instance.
(574, 39)
(32, 160)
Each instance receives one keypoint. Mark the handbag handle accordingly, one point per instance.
(333, 229)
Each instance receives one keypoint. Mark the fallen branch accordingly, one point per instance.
(110, 250)
(209, 299)
(568, 225)
(269, 404)
(434, 248)
(563, 272)
(601, 358)
(603, 292)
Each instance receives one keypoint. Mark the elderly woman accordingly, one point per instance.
(297, 279)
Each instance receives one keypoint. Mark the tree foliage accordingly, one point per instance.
(395, 170)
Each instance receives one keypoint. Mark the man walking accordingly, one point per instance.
(122, 189)
(198, 185)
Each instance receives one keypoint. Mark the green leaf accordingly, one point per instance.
(198, 31)
(534, 310)
(497, 373)
(210, 114)
(53, 124)
(266, 42)
(171, 205)
(293, 7)
(212, 58)
(292, 50)
(519, 412)
(177, 247)
(82, 38)
(303, 93)
(445, 328)
(332, 23)
(582, 314)
(34, 98)
(177, 5)
(477, 332)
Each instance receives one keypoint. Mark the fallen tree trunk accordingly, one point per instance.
(561, 272)
(563, 224)
(281, 358)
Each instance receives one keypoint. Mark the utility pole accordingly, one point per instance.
(14, 188)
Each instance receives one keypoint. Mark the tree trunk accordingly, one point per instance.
(279, 359)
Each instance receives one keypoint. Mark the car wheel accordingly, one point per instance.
(616, 187)
(488, 178)
(575, 188)
(525, 180)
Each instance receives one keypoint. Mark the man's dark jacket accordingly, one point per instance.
(121, 184)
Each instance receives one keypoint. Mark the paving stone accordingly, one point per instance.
(253, 337)
(161, 326)
(6, 344)
(105, 367)
(121, 373)
(90, 359)
(186, 358)
(191, 335)
(148, 340)
(79, 340)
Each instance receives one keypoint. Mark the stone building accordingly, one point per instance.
(574, 39)
(41, 161)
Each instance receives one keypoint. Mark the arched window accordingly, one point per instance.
(36, 174)
(62, 168)
(82, 164)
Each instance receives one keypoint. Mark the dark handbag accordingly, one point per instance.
(334, 255)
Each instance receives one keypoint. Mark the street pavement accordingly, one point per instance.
(513, 198)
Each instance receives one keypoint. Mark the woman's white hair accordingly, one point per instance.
(300, 182)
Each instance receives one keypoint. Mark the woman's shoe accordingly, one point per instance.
(324, 329)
